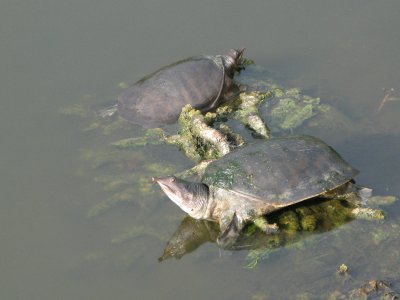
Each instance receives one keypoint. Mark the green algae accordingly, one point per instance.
(75, 110)
(131, 188)
(207, 136)
(153, 136)
(294, 223)
(223, 177)
(134, 232)
(284, 110)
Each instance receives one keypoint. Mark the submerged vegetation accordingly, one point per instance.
(200, 137)
(125, 164)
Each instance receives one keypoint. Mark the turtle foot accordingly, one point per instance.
(229, 236)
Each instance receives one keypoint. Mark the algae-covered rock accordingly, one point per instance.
(209, 136)
(289, 109)
(286, 108)
(122, 165)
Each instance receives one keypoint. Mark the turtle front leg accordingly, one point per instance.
(230, 231)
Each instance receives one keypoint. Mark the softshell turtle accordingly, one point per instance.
(263, 177)
(202, 81)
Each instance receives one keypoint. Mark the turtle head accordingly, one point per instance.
(233, 60)
(191, 197)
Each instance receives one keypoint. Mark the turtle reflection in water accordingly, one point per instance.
(295, 223)
(263, 177)
(202, 81)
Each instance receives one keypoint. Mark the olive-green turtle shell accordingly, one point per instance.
(281, 170)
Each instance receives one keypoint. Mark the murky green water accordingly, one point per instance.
(56, 53)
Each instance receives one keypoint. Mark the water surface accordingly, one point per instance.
(55, 53)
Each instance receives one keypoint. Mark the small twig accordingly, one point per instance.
(387, 97)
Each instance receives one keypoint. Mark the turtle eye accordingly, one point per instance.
(172, 179)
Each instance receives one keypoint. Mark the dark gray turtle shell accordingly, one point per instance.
(281, 170)
(158, 98)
